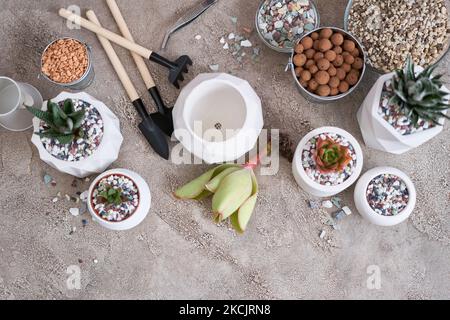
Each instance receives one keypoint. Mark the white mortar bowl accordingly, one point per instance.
(368, 213)
(142, 210)
(218, 117)
(314, 188)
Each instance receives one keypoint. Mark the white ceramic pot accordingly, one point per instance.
(315, 188)
(218, 117)
(368, 213)
(142, 210)
(379, 134)
(105, 154)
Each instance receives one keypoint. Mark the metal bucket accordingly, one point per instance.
(85, 80)
(314, 97)
(278, 49)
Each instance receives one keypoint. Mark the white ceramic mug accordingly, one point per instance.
(14, 96)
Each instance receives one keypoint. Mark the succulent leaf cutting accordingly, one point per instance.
(64, 123)
(331, 156)
(420, 96)
(234, 189)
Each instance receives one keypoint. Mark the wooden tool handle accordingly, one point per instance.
(115, 61)
(142, 67)
(111, 36)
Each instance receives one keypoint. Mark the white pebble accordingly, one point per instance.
(327, 204)
(74, 211)
(246, 44)
(198, 37)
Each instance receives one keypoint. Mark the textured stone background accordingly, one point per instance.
(178, 252)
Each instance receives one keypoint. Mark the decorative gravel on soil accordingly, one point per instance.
(387, 195)
(78, 149)
(332, 178)
(395, 117)
(281, 22)
(113, 212)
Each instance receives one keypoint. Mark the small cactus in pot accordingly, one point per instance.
(64, 123)
(420, 96)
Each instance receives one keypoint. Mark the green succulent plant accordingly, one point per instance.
(64, 122)
(111, 196)
(420, 96)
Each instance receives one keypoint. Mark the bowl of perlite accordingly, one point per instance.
(392, 30)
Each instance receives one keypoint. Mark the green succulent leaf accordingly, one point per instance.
(213, 184)
(41, 115)
(68, 106)
(234, 219)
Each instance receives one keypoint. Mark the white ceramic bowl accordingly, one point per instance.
(314, 188)
(142, 210)
(368, 213)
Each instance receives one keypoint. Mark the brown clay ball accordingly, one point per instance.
(332, 71)
(307, 43)
(343, 87)
(330, 55)
(334, 92)
(341, 74)
(322, 77)
(316, 44)
(305, 75)
(299, 48)
(314, 36)
(358, 64)
(298, 71)
(313, 85)
(339, 61)
(349, 45)
(325, 45)
(349, 59)
(326, 33)
(346, 67)
(337, 39)
(303, 83)
(355, 52)
(310, 53)
(309, 63)
(313, 69)
(352, 78)
(324, 90)
(338, 50)
(334, 82)
(323, 64)
(318, 56)
(299, 60)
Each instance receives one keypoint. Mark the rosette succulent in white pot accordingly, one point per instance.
(404, 109)
(385, 196)
(327, 161)
(218, 118)
(76, 134)
(119, 199)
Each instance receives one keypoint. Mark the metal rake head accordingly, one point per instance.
(180, 67)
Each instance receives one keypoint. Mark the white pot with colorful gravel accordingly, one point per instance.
(385, 196)
(119, 199)
(327, 161)
(404, 109)
(76, 134)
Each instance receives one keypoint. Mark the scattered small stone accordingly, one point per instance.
(87, 179)
(83, 208)
(226, 46)
(53, 183)
(327, 204)
(341, 214)
(314, 204)
(74, 183)
(48, 179)
(84, 222)
(337, 202)
(72, 231)
(74, 212)
(246, 44)
(67, 197)
(140, 237)
(198, 37)
(322, 234)
(234, 20)
(80, 261)
(222, 40)
(95, 261)
(231, 36)
(84, 196)
(55, 199)
(214, 67)
(247, 30)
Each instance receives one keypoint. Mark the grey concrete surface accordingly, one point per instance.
(178, 252)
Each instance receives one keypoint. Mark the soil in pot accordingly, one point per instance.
(120, 210)
(81, 148)
(395, 117)
(387, 195)
(331, 177)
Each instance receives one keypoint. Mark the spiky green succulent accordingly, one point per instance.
(234, 189)
(420, 96)
(111, 195)
(64, 123)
